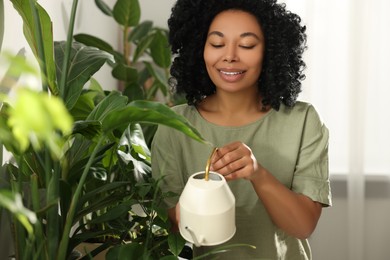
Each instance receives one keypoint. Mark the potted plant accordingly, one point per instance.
(76, 150)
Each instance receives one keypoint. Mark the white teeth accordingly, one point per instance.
(231, 73)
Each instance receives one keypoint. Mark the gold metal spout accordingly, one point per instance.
(206, 175)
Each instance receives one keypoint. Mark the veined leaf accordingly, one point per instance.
(112, 102)
(84, 62)
(150, 112)
(127, 12)
(160, 51)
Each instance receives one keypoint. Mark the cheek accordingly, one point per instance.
(210, 57)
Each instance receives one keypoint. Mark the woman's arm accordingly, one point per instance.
(174, 217)
(294, 213)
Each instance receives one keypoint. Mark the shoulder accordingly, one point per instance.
(185, 110)
(300, 109)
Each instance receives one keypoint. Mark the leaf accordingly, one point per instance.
(114, 212)
(88, 128)
(176, 243)
(113, 102)
(127, 12)
(169, 257)
(134, 91)
(140, 31)
(84, 62)
(23, 7)
(125, 73)
(126, 252)
(158, 76)
(142, 46)
(93, 41)
(103, 7)
(160, 50)
(134, 139)
(150, 112)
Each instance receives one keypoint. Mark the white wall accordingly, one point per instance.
(156, 10)
(89, 20)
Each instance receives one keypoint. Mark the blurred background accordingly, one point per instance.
(346, 80)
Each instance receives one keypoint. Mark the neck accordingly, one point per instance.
(234, 103)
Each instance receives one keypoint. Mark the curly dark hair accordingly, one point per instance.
(285, 42)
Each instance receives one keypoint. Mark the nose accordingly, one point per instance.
(230, 55)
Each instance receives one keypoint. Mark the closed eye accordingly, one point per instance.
(247, 47)
(217, 45)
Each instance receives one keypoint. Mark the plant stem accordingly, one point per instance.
(126, 45)
(73, 205)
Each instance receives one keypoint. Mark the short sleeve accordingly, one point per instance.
(311, 177)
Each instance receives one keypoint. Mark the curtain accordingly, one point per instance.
(346, 80)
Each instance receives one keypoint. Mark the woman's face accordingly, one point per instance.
(234, 50)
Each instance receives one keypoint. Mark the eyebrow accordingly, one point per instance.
(243, 35)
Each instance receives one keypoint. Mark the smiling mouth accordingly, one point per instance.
(231, 73)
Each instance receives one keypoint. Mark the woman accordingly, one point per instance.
(239, 63)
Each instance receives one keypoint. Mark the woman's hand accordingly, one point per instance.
(294, 213)
(234, 161)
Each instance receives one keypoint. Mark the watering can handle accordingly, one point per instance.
(196, 242)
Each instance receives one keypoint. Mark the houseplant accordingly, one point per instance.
(52, 183)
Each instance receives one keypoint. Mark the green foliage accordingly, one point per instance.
(142, 66)
(81, 168)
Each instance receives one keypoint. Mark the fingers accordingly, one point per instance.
(234, 160)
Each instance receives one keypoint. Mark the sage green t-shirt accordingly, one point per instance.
(292, 144)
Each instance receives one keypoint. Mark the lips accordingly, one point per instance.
(231, 75)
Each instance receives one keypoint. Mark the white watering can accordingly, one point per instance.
(207, 209)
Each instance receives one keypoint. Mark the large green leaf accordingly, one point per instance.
(150, 112)
(127, 12)
(24, 9)
(114, 101)
(160, 51)
(84, 62)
